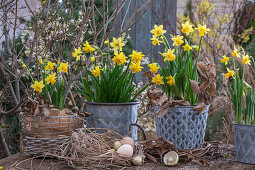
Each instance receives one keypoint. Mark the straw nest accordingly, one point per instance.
(89, 150)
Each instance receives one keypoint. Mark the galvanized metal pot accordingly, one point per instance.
(244, 136)
(182, 126)
(115, 116)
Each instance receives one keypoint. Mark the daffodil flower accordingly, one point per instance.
(202, 30)
(246, 60)
(225, 60)
(158, 79)
(170, 81)
(96, 71)
(229, 73)
(187, 47)
(50, 66)
(63, 67)
(92, 59)
(117, 44)
(169, 55)
(38, 86)
(155, 40)
(135, 67)
(177, 40)
(158, 30)
(106, 41)
(235, 53)
(187, 28)
(136, 56)
(51, 78)
(87, 48)
(77, 54)
(119, 58)
(153, 67)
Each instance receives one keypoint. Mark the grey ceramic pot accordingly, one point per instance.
(244, 136)
(115, 116)
(182, 126)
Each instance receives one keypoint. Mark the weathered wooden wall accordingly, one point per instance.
(160, 12)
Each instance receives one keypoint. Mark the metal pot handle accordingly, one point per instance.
(142, 130)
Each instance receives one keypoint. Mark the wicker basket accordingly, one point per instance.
(41, 135)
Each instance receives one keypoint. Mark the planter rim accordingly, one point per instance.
(186, 106)
(61, 116)
(234, 123)
(113, 104)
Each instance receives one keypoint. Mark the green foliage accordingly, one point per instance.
(115, 85)
(110, 82)
(183, 69)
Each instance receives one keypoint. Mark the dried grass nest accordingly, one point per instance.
(90, 150)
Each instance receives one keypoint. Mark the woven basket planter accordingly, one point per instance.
(43, 135)
(244, 136)
(183, 126)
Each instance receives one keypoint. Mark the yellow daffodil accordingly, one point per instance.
(38, 86)
(246, 60)
(158, 79)
(229, 73)
(136, 67)
(197, 47)
(87, 48)
(235, 53)
(169, 55)
(41, 62)
(63, 67)
(158, 30)
(136, 56)
(119, 58)
(187, 47)
(225, 60)
(187, 28)
(177, 40)
(154, 67)
(170, 81)
(156, 40)
(51, 79)
(96, 71)
(50, 66)
(117, 44)
(23, 65)
(77, 54)
(92, 59)
(202, 30)
(106, 41)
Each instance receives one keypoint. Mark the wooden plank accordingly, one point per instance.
(143, 27)
(159, 17)
(128, 10)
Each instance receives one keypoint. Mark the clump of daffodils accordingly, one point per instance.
(50, 84)
(239, 88)
(110, 78)
(180, 61)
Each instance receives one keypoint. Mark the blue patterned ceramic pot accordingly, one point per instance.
(183, 126)
(244, 136)
(115, 116)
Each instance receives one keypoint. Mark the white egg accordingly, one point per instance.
(116, 145)
(128, 140)
(171, 158)
(125, 150)
(138, 160)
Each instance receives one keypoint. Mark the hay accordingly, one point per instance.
(92, 150)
